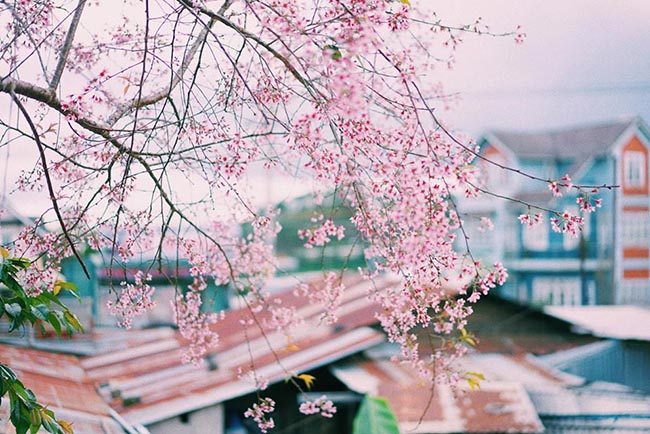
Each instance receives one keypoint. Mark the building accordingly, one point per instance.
(623, 357)
(136, 381)
(609, 263)
(495, 407)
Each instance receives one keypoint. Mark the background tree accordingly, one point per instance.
(149, 119)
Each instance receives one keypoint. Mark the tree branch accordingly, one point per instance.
(162, 93)
(248, 35)
(48, 181)
(18, 87)
(67, 45)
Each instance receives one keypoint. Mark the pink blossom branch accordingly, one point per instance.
(25, 27)
(48, 181)
(18, 87)
(248, 35)
(494, 163)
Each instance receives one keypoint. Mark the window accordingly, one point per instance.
(557, 291)
(635, 228)
(634, 168)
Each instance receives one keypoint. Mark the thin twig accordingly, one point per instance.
(48, 181)
(142, 101)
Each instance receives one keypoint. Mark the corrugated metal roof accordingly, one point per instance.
(59, 382)
(559, 395)
(616, 322)
(421, 408)
(148, 383)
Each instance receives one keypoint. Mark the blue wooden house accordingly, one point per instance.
(609, 263)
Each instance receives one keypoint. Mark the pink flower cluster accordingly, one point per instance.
(530, 220)
(321, 235)
(259, 412)
(588, 205)
(195, 326)
(327, 294)
(134, 299)
(320, 405)
(568, 223)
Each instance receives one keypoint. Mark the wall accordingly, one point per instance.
(208, 420)
(624, 362)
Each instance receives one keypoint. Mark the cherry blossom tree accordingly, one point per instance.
(148, 118)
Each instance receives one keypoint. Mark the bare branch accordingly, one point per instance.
(67, 45)
(248, 35)
(177, 76)
(37, 93)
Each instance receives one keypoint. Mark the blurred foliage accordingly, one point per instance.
(375, 417)
(22, 310)
(300, 214)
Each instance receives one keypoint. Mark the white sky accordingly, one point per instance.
(583, 61)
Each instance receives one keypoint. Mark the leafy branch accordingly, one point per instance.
(26, 413)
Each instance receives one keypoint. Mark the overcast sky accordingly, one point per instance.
(583, 61)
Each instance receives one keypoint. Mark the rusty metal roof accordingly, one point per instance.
(422, 408)
(60, 383)
(149, 383)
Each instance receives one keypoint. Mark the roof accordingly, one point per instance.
(149, 383)
(497, 406)
(616, 322)
(503, 326)
(563, 400)
(59, 382)
(575, 143)
(9, 214)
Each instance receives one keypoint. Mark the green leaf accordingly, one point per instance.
(19, 415)
(14, 286)
(468, 338)
(54, 322)
(13, 309)
(375, 417)
(35, 419)
(474, 379)
(73, 321)
(40, 311)
(20, 263)
(308, 379)
(68, 286)
(477, 375)
(334, 50)
(47, 296)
